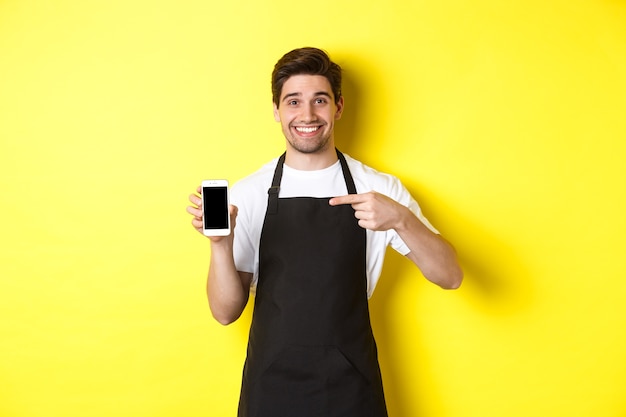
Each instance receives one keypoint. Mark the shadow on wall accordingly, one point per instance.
(496, 279)
(346, 129)
(350, 131)
(494, 285)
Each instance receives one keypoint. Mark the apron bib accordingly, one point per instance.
(311, 351)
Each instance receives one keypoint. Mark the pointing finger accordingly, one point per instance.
(346, 199)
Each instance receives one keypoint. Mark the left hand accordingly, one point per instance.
(375, 211)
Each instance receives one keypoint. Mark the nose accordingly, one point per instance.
(308, 114)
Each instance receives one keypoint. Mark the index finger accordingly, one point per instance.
(346, 199)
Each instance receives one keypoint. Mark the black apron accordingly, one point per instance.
(311, 351)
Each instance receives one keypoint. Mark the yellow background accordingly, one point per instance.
(505, 119)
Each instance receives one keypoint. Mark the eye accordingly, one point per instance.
(292, 103)
(320, 101)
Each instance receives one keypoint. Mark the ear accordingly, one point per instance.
(276, 114)
(339, 108)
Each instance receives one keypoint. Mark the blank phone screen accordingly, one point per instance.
(215, 207)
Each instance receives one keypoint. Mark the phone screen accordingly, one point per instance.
(215, 207)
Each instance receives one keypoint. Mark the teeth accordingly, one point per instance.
(306, 129)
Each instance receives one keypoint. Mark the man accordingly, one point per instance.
(310, 236)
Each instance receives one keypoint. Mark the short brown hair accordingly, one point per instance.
(310, 61)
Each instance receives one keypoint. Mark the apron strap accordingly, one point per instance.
(346, 173)
(272, 201)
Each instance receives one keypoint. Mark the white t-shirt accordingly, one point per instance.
(250, 197)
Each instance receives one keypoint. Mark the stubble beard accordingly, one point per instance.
(308, 146)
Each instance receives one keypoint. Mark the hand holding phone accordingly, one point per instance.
(215, 203)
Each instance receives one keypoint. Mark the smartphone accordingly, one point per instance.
(215, 202)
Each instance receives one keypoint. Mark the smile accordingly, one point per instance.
(303, 129)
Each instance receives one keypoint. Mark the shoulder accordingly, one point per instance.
(256, 183)
(368, 179)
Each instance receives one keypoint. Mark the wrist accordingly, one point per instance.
(221, 243)
(406, 219)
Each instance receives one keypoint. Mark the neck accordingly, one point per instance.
(310, 161)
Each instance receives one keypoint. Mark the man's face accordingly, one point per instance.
(307, 113)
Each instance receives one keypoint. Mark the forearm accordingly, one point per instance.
(227, 289)
(432, 254)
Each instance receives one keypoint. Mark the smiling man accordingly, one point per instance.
(307, 112)
(311, 231)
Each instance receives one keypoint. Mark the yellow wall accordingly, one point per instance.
(505, 119)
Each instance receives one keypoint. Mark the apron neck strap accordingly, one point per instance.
(272, 202)
(347, 176)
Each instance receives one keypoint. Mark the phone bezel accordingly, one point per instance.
(215, 184)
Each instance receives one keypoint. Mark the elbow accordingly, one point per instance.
(225, 316)
(226, 312)
(452, 285)
(224, 322)
(224, 319)
(453, 279)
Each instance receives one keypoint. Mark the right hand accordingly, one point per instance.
(196, 211)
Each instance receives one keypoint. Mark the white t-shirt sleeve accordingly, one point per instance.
(367, 179)
(407, 200)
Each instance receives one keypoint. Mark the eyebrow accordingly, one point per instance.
(319, 93)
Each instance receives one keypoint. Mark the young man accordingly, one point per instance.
(311, 231)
